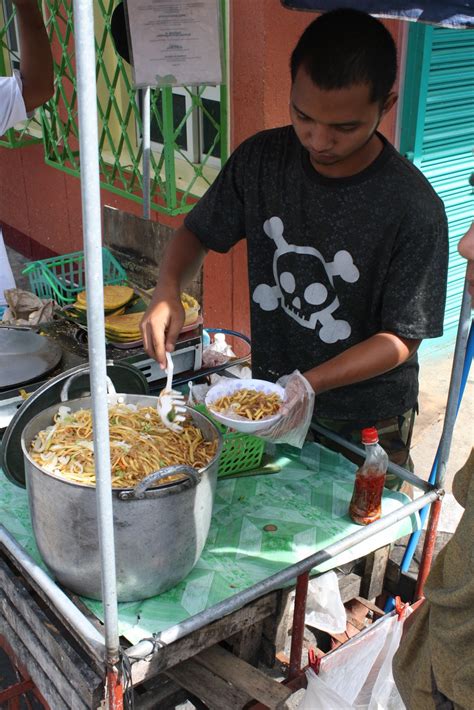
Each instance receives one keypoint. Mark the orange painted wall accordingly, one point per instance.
(44, 203)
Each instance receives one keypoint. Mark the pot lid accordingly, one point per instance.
(25, 356)
(126, 379)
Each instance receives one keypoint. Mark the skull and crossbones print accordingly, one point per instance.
(310, 296)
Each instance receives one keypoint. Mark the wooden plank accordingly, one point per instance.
(369, 605)
(209, 635)
(247, 643)
(374, 573)
(28, 657)
(88, 683)
(244, 676)
(268, 650)
(355, 623)
(164, 694)
(216, 693)
(400, 583)
(293, 702)
(276, 627)
(92, 653)
(349, 586)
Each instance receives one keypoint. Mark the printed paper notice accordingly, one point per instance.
(175, 42)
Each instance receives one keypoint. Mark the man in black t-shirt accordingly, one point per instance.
(347, 241)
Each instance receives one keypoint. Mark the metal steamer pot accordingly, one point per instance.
(159, 532)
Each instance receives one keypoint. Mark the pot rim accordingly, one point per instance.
(164, 487)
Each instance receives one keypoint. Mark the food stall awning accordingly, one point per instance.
(452, 13)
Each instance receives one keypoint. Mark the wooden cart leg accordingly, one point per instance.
(247, 644)
(374, 573)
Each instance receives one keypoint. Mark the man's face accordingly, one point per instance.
(337, 126)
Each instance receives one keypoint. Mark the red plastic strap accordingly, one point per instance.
(314, 661)
(400, 608)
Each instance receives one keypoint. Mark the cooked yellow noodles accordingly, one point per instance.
(139, 445)
(248, 403)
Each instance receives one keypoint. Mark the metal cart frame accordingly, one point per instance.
(106, 648)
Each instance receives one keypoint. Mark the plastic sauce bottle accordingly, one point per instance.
(366, 503)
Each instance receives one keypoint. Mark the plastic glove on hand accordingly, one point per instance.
(297, 411)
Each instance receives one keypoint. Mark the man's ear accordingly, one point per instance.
(390, 102)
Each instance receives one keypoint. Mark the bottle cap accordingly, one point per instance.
(370, 435)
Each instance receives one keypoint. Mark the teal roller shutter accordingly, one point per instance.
(437, 132)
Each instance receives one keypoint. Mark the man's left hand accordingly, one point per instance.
(297, 411)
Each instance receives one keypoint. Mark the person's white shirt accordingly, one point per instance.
(12, 105)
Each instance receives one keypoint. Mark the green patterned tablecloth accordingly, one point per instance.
(306, 503)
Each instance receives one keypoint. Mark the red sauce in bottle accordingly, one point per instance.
(366, 503)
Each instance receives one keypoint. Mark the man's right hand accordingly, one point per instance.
(161, 325)
(164, 318)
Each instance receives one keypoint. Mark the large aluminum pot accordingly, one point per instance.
(159, 532)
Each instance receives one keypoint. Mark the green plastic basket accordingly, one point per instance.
(240, 452)
(63, 277)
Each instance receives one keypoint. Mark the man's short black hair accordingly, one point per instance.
(346, 47)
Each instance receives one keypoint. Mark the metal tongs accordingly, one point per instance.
(170, 405)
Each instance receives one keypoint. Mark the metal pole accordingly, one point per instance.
(414, 538)
(297, 631)
(428, 548)
(465, 322)
(148, 646)
(146, 151)
(90, 636)
(91, 216)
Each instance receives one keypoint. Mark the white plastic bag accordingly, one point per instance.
(324, 607)
(218, 352)
(358, 675)
(297, 411)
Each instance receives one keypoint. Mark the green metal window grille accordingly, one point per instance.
(29, 131)
(177, 178)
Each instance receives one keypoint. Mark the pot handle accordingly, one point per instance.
(65, 388)
(139, 491)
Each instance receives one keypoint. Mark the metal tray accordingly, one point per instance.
(25, 356)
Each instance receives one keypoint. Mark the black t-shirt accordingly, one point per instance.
(331, 262)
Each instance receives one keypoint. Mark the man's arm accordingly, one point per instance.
(36, 63)
(164, 317)
(466, 249)
(378, 354)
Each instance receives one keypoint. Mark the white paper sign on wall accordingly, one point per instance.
(175, 42)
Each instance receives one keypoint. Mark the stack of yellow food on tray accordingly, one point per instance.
(123, 314)
(115, 299)
(125, 328)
